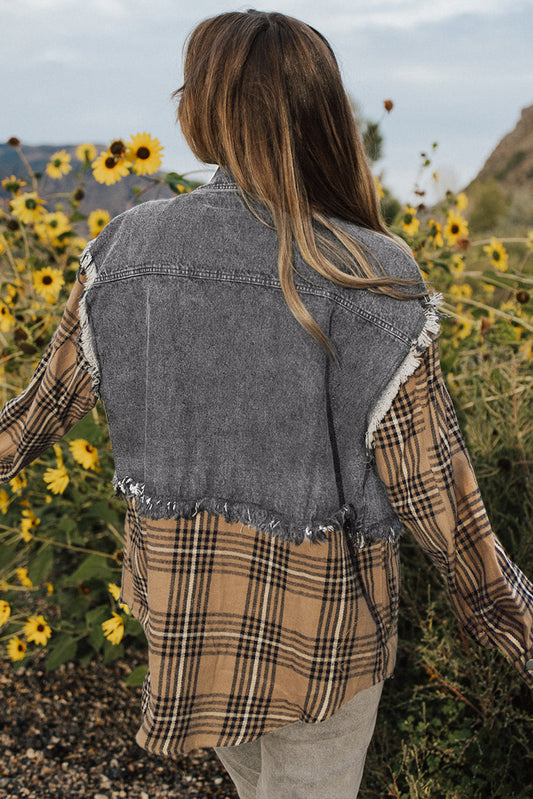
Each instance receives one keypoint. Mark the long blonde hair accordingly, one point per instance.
(263, 96)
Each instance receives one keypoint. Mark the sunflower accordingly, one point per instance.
(5, 612)
(7, 320)
(435, 232)
(109, 168)
(85, 454)
(457, 265)
(18, 482)
(16, 648)
(409, 222)
(144, 153)
(456, 226)
(113, 628)
(13, 184)
(9, 298)
(27, 207)
(56, 479)
(462, 290)
(497, 254)
(85, 152)
(22, 575)
(97, 221)
(59, 164)
(4, 501)
(36, 629)
(114, 590)
(48, 282)
(51, 226)
(28, 521)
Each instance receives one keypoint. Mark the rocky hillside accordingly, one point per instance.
(511, 162)
(501, 194)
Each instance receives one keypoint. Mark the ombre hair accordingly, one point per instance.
(263, 97)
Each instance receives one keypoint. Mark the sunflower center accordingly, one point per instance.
(88, 448)
(57, 162)
(30, 204)
(40, 628)
(110, 163)
(117, 147)
(3, 309)
(455, 229)
(408, 219)
(495, 255)
(53, 223)
(143, 152)
(47, 280)
(20, 647)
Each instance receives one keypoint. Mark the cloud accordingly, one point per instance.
(404, 14)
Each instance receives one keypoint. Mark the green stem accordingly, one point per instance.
(511, 275)
(30, 171)
(55, 543)
(507, 317)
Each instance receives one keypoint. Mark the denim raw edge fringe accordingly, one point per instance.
(253, 515)
(86, 338)
(429, 333)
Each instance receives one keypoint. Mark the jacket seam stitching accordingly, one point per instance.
(263, 281)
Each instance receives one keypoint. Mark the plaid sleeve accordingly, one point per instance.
(423, 461)
(58, 395)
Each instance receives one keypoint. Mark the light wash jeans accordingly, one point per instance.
(307, 761)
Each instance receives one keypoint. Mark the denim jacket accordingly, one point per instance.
(216, 397)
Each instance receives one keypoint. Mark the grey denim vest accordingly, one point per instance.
(216, 397)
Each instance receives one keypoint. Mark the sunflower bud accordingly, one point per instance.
(463, 242)
(522, 297)
(485, 325)
(13, 141)
(389, 105)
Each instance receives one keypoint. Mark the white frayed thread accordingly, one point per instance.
(88, 267)
(428, 334)
(261, 519)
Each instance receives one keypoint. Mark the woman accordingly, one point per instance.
(266, 353)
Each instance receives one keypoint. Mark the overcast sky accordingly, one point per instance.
(458, 71)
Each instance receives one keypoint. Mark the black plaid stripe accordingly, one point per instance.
(58, 395)
(424, 462)
(295, 616)
(206, 592)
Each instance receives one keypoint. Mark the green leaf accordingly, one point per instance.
(86, 659)
(41, 565)
(112, 651)
(136, 677)
(62, 650)
(92, 566)
(97, 615)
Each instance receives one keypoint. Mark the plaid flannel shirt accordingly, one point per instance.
(246, 632)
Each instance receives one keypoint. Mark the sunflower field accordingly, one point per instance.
(61, 538)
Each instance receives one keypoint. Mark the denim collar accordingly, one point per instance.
(222, 179)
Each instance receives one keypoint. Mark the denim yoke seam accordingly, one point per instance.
(238, 276)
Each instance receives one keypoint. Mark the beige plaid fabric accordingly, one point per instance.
(246, 632)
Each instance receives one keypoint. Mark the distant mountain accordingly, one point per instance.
(511, 162)
(501, 194)
(115, 198)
